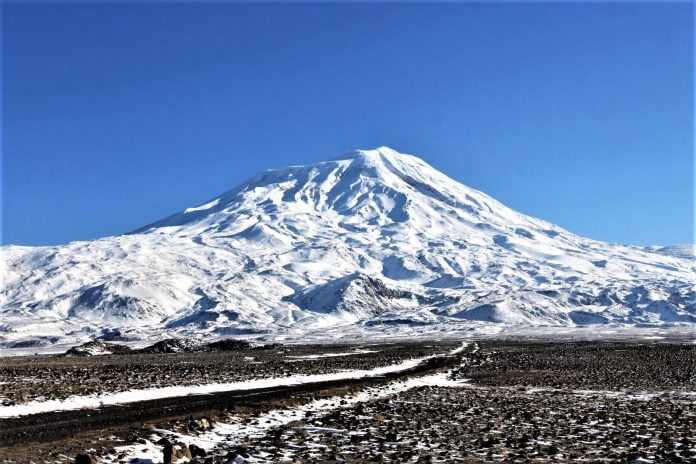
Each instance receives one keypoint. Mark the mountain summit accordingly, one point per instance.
(373, 240)
(377, 185)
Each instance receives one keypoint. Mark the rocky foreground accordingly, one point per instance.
(434, 424)
(544, 403)
(90, 369)
(504, 401)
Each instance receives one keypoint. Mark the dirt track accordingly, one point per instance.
(56, 377)
(54, 426)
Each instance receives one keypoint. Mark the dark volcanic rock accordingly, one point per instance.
(85, 459)
(185, 345)
(95, 348)
(228, 344)
(174, 345)
(196, 451)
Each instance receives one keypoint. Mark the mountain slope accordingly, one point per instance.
(371, 240)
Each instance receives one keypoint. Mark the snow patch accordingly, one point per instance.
(132, 396)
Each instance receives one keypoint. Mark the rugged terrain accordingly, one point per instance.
(492, 400)
(41, 378)
(374, 242)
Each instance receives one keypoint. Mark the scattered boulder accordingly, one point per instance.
(201, 425)
(183, 450)
(196, 451)
(175, 452)
(167, 451)
(85, 459)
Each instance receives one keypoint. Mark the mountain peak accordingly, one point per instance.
(370, 153)
(384, 156)
(375, 187)
(374, 239)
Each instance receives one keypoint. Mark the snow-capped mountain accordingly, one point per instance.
(374, 240)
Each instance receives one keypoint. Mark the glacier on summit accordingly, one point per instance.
(373, 241)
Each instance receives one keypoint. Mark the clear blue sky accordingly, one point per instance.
(116, 115)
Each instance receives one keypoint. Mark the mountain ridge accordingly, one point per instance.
(372, 241)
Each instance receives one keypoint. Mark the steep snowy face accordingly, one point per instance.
(365, 188)
(364, 197)
(372, 240)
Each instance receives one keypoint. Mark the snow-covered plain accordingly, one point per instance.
(374, 242)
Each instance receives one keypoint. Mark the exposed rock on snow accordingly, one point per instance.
(368, 240)
(174, 345)
(96, 348)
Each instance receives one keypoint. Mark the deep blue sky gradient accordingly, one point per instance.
(116, 115)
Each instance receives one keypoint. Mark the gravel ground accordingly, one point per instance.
(57, 377)
(655, 366)
(523, 402)
(490, 424)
